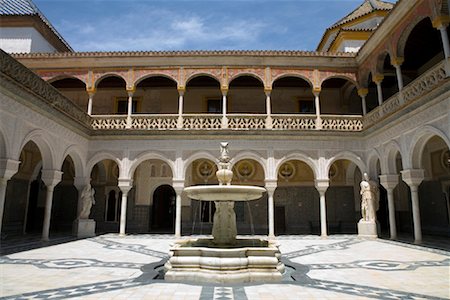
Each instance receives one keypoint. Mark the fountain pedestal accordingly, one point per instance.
(224, 259)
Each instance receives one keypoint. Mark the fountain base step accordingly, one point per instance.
(191, 261)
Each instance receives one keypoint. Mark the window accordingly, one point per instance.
(122, 105)
(306, 106)
(214, 106)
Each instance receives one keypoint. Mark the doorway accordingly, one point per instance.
(163, 213)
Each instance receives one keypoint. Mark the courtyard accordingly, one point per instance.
(113, 267)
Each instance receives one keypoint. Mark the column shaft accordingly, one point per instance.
(445, 41)
(178, 215)
(391, 207)
(398, 72)
(180, 109)
(323, 215)
(317, 106)
(271, 215)
(3, 185)
(123, 213)
(379, 93)
(48, 212)
(364, 105)
(416, 214)
(89, 108)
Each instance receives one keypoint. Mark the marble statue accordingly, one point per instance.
(369, 199)
(87, 200)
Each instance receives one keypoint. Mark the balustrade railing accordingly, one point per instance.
(294, 122)
(342, 123)
(205, 122)
(154, 122)
(415, 89)
(109, 122)
(247, 121)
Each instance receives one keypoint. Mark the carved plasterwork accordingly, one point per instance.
(259, 73)
(215, 73)
(124, 74)
(324, 75)
(54, 75)
(304, 74)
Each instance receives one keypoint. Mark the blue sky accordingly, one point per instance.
(139, 25)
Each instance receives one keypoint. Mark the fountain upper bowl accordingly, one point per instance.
(224, 192)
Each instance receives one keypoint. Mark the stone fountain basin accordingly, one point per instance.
(225, 192)
(192, 260)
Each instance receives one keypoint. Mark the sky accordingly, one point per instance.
(155, 25)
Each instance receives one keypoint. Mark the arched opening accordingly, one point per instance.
(296, 200)
(156, 95)
(402, 200)
(372, 96)
(339, 96)
(251, 216)
(246, 95)
(108, 197)
(389, 84)
(163, 212)
(65, 200)
(343, 197)
(152, 180)
(292, 95)
(203, 95)
(74, 89)
(111, 97)
(25, 196)
(434, 190)
(200, 172)
(423, 49)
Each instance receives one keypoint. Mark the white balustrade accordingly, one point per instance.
(342, 123)
(154, 122)
(109, 122)
(246, 121)
(414, 90)
(205, 122)
(294, 122)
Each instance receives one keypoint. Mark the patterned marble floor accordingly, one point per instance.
(337, 267)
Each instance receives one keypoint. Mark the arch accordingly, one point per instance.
(391, 150)
(198, 155)
(150, 155)
(65, 76)
(250, 155)
(348, 156)
(340, 76)
(202, 74)
(301, 157)
(146, 76)
(109, 74)
(401, 44)
(98, 157)
(4, 144)
(74, 152)
(37, 136)
(418, 143)
(379, 65)
(299, 76)
(374, 157)
(254, 75)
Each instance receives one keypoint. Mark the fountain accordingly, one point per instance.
(224, 259)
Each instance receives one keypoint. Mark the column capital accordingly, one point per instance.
(271, 185)
(413, 177)
(378, 78)
(131, 89)
(389, 181)
(125, 184)
(51, 177)
(8, 167)
(440, 21)
(91, 90)
(178, 185)
(267, 90)
(81, 182)
(181, 89)
(316, 90)
(322, 185)
(224, 90)
(362, 92)
(397, 61)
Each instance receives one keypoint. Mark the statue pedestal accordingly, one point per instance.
(367, 229)
(84, 228)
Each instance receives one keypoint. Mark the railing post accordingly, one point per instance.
(181, 90)
(224, 91)
(267, 91)
(316, 92)
(363, 94)
(130, 92)
(378, 79)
